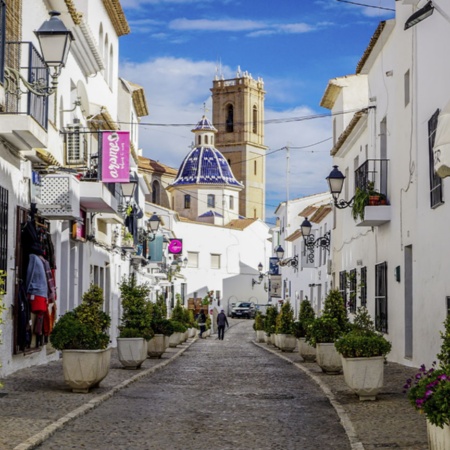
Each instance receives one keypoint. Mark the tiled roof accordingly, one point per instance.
(241, 224)
(308, 211)
(320, 214)
(376, 35)
(205, 165)
(211, 214)
(350, 127)
(155, 166)
(204, 125)
(294, 236)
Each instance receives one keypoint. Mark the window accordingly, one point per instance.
(3, 231)
(255, 119)
(255, 168)
(343, 285)
(229, 119)
(192, 259)
(353, 300)
(155, 192)
(406, 87)
(187, 201)
(206, 139)
(231, 202)
(363, 288)
(199, 140)
(183, 292)
(381, 317)
(448, 306)
(435, 180)
(211, 201)
(215, 261)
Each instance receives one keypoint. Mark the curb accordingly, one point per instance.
(355, 442)
(33, 441)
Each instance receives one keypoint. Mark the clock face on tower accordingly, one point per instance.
(175, 246)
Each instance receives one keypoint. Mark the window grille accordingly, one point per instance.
(76, 150)
(343, 285)
(353, 291)
(363, 289)
(435, 180)
(381, 300)
(3, 231)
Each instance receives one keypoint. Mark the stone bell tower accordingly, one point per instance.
(238, 115)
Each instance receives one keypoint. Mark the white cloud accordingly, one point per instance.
(176, 90)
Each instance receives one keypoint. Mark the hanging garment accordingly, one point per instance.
(37, 285)
(24, 320)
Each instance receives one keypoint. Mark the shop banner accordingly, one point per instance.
(115, 156)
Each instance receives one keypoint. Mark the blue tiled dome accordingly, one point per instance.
(205, 165)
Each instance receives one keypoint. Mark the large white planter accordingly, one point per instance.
(272, 338)
(132, 352)
(260, 336)
(156, 346)
(287, 342)
(307, 351)
(175, 339)
(328, 359)
(438, 438)
(166, 341)
(191, 332)
(364, 376)
(84, 369)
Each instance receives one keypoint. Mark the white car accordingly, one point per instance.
(244, 309)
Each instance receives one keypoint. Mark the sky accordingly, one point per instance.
(177, 47)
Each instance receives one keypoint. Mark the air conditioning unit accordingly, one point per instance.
(75, 145)
(329, 267)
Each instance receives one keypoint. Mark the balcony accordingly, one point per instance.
(374, 173)
(99, 197)
(23, 114)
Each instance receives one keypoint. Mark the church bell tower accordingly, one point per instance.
(238, 115)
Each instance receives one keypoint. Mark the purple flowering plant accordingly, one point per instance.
(429, 390)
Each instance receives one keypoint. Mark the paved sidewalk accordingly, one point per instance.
(390, 422)
(35, 402)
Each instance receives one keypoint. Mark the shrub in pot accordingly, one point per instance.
(305, 317)
(82, 336)
(270, 321)
(258, 326)
(363, 352)
(284, 328)
(178, 332)
(136, 323)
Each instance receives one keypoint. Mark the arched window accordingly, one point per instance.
(100, 40)
(111, 66)
(206, 139)
(106, 58)
(255, 120)
(156, 192)
(255, 167)
(199, 140)
(187, 201)
(229, 119)
(231, 202)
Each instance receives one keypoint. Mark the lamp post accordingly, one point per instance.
(336, 182)
(310, 242)
(55, 41)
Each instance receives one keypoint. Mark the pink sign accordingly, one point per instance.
(115, 156)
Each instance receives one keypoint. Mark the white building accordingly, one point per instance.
(398, 250)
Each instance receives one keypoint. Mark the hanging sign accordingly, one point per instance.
(175, 246)
(115, 157)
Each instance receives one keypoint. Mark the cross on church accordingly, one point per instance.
(205, 108)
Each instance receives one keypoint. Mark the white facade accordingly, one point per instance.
(400, 245)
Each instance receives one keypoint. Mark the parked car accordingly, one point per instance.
(244, 309)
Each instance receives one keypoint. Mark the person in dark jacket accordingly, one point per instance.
(201, 319)
(221, 322)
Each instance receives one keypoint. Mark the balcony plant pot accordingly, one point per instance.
(328, 359)
(84, 369)
(438, 438)
(307, 351)
(260, 336)
(156, 346)
(287, 342)
(364, 376)
(132, 352)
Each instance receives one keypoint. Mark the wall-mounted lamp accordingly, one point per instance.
(55, 40)
(260, 276)
(310, 242)
(128, 190)
(279, 252)
(336, 182)
(420, 15)
(290, 262)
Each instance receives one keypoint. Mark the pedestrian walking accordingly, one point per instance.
(201, 320)
(221, 322)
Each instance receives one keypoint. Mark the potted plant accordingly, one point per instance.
(82, 336)
(162, 329)
(270, 323)
(258, 326)
(305, 317)
(325, 330)
(127, 239)
(429, 393)
(363, 352)
(177, 336)
(284, 328)
(136, 323)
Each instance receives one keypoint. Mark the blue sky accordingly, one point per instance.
(176, 47)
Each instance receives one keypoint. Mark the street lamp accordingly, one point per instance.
(279, 251)
(310, 242)
(291, 262)
(128, 190)
(260, 276)
(55, 40)
(335, 183)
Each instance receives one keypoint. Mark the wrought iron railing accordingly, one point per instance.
(25, 58)
(373, 171)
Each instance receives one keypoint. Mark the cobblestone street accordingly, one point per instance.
(226, 394)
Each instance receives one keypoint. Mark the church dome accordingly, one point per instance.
(205, 164)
